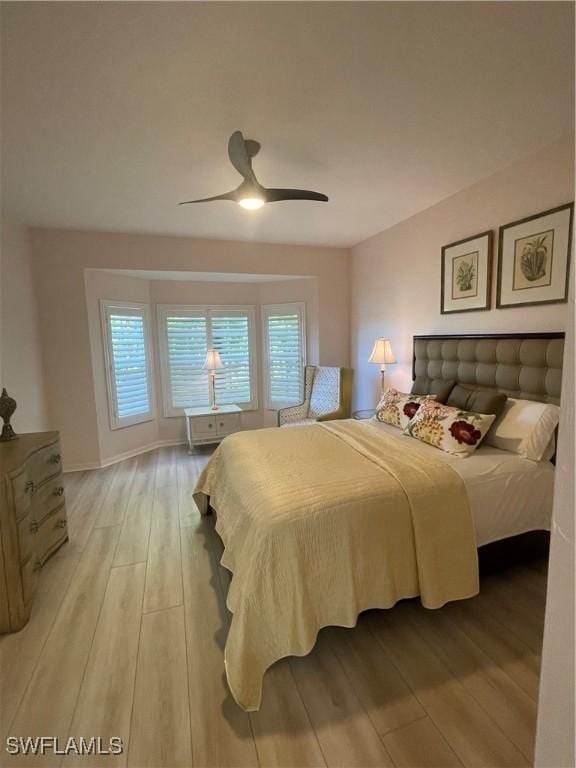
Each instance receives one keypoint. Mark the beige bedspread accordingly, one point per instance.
(322, 522)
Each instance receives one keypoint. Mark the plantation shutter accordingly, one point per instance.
(125, 337)
(186, 333)
(230, 335)
(186, 337)
(284, 335)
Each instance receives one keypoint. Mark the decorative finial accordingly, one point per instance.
(7, 408)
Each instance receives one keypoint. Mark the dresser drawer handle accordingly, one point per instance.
(221, 424)
(61, 524)
(34, 526)
(37, 565)
(59, 491)
(55, 458)
(30, 487)
(209, 426)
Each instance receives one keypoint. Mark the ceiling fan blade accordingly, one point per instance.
(225, 196)
(240, 156)
(277, 195)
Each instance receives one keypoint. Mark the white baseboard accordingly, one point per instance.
(121, 456)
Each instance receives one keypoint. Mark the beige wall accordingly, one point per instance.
(60, 259)
(396, 274)
(22, 371)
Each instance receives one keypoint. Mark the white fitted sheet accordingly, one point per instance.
(508, 494)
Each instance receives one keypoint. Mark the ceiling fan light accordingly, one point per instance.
(251, 203)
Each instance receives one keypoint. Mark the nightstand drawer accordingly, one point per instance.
(203, 426)
(227, 423)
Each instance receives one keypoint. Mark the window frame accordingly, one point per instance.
(164, 310)
(267, 310)
(138, 309)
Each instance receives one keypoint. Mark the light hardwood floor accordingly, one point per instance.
(127, 634)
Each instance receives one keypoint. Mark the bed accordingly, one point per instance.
(323, 522)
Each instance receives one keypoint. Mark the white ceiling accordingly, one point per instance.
(114, 112)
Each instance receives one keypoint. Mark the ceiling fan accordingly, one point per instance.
(251, 194)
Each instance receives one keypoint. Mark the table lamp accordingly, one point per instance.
(212, 363)
(382, 353)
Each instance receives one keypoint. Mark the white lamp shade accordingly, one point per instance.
(213, 360)
(382, 352)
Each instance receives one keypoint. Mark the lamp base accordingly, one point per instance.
(213, 405)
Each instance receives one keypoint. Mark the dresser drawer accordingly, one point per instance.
(51, 534)
(203, 426)
(45, 463)
(47, 497)
(21, 489)
(227, 423)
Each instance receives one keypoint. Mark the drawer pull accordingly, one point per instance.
(55, 458)
(30, 487)
(37, 565)
(221, 424)
(34, 526)
(61, 524)
(59, 491)
(209, 426)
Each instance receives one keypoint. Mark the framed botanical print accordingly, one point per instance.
(466, 274)
(534, 259)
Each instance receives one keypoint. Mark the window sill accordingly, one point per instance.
(116, 425)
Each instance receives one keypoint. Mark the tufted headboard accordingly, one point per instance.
(525, 365)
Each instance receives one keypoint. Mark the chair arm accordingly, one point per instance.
(284, 413)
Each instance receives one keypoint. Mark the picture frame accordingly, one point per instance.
(466, 274)
(534, 259)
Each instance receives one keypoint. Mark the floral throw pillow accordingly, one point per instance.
(450, 429)
(397, 408)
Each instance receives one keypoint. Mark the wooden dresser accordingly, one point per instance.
(33, 523)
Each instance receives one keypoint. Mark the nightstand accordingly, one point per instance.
(205, 426)
(366, 414)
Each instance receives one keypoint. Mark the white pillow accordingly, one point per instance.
(525, 427)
